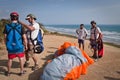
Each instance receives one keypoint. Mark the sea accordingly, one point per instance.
(111, 33)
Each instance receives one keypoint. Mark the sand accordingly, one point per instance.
(106, 68)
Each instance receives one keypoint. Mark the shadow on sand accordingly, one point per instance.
(3, 66)
(49, 57)
(118, 72)
(15, 64)
(111, 78)
(52, 48)
(36, 74)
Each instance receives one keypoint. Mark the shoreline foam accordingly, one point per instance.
(67, 35)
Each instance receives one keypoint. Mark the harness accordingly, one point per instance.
(13, 28)
(94, 33)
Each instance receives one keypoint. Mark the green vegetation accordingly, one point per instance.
(43, 28)
(3, 22)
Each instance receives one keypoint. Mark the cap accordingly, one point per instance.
(14, 14)
(30, 16)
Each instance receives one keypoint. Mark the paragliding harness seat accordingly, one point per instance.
(38, 43)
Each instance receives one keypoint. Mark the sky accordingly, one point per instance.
(64, 11)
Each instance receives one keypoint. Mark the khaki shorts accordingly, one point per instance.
(30, 52)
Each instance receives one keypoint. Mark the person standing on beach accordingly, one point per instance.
(14, 35)
(82, 34)
(95, 37)
(31, 32)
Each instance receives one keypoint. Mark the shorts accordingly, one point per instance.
(94, 44)
(80, 41)
(14, 55)
(29, 52)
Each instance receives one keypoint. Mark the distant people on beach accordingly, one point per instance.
(14, 37)
(31, 33)
(82, 34)
(95, 39)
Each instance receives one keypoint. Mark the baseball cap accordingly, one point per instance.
(30, 16)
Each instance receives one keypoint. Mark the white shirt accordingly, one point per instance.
(95, 33)
(81, 33)
(33, 33)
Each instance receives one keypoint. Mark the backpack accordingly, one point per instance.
(14, 42)
(38, 47)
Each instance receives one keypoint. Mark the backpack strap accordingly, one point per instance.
(39, 32)
(32, 39)
(13, 28)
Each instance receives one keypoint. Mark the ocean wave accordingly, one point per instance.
(108, 36)
(113, 35)
(62, 30)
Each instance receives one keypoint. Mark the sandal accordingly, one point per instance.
(26, 64)
(7, 73)
(22, 73)
(35, 67)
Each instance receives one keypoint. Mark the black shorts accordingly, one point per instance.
(80, 41)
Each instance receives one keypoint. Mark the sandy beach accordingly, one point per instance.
(106, 68)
